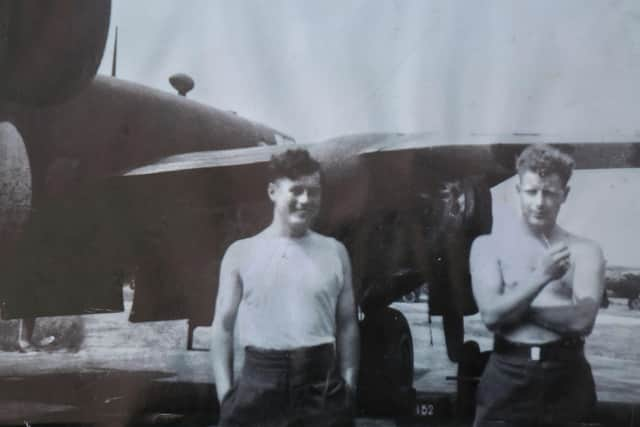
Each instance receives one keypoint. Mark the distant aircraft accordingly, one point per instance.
(624, 282)
(108, 179)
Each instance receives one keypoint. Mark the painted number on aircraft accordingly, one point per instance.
(425, 409)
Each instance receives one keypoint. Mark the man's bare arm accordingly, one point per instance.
(227, 303)
(347, 332)
(497, 307)
(576, 316)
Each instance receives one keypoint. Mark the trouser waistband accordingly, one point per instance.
(315, 359)
(568, 348)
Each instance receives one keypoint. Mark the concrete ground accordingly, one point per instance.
(124, 357)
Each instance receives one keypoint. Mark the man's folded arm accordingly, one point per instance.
(497, 307)
(576, 315)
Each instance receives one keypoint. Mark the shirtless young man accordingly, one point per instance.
(290, 289)
(538, 288)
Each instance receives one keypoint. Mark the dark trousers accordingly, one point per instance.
(288, 388)
(517, 391)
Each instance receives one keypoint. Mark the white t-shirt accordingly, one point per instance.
(290, 289)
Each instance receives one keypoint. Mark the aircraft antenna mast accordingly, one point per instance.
(115, 54)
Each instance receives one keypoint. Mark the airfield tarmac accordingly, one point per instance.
(114, 349)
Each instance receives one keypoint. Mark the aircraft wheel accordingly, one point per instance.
(405, 359)
(386, 364)
(634, 303)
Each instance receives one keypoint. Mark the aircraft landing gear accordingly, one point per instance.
(190, 329)
(386, 364)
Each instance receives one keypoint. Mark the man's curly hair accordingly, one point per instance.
(293, 164)
(545, 160)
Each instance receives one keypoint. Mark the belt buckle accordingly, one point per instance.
(534, 353)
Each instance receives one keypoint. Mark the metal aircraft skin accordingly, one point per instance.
(107, 179)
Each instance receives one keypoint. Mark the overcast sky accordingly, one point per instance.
(317, 69)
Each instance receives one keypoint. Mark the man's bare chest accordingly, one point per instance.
(519, 266)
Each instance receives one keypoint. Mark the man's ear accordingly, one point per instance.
(271, 190)
(566, 193)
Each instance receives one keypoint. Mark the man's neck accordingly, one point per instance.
(278, 229)
(544, 234)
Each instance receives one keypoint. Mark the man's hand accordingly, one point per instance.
(225, 394)
(554, 263)
(351, 399)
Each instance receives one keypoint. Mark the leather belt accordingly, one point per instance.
(565, 349)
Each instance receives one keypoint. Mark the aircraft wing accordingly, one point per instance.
(455, 157)
(494, 155)
(204, 160)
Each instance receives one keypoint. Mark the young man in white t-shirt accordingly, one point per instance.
(298, 322)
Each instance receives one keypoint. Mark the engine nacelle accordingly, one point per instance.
(15, 189)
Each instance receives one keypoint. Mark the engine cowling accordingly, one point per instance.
(50, 49)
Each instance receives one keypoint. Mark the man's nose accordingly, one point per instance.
(538, 199)
(303, 197)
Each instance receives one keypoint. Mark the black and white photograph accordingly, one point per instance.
(386, 213)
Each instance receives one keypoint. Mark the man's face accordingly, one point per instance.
(541, 198)
(296, 201)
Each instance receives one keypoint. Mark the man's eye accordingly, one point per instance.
(296, 191)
